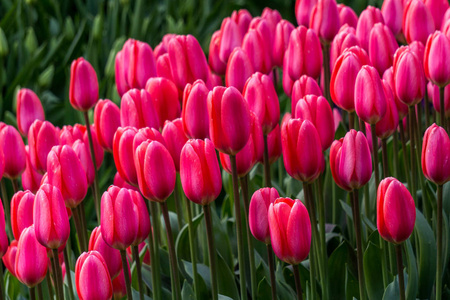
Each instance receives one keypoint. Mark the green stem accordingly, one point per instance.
(267, 179)
(135, 252)
(359, 250)
(298, 284)
(237, 211)
(95, 188)
(58, 275)
(326, 71)
(384, 155)
(156, 269)
(156, 286)
(49, 285)
(32, 293)
(15, 185)
(427, 111)
(251, 251)
(211, 251)
(83, 224)
(178, 209)
(395, 146)
(76, 221)
(69, 276)
(405, 156)
(323, 244)
(442, 106)
(401, 280)
(351, 120)
(176, 293)
(273, 283)
(39, 290)
(7, 209)
(2, 287)
(439, 244)
(412, 117)
(192, 249)
(375, 155)
(126, 273)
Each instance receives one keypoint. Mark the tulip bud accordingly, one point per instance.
(345, 38)
(304, 54)
(229, 118)
(145, 134)
(250, 154)
(155, 171)
(413, 30)
(290, 230)
(239, 69)
(164, 95)
(347, 16)
(408, 76)
(31, 178)
(303, 10)
(368, 18)
(389, 123)
(303, 86)
(9, 259)
(262, 99)
(163, 68)
(281, 41)
(258, 213)
(13, 148)
(402, 108)
(392, 11)
(3, 237)
(433, 95)
(83, 93)
(194, 115)
(174, 138)
(370, 101)
(31, 259)
(21, 212)
(123, 152)
(120, 182)
(106, 120)
(119, 217)
(230, 38)
(69, 134)
(350, 161)
(396, 211)
(187, 60)
(82, 152)
(215, 63)
(274, 144)
(29, 108)
(50, 217)
(436, 58)
(325, 20)
(138, 110)
(67, 174)
(437, 9)
(317, 111)
(382, 46)
(146, 259)
(200, 172)
(286, 80)
(42, 136)
(90, 271)
(436, 155)
(259, 53)
(302, 150)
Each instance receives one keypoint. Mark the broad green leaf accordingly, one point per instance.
(187, 292)
(392, 291)
(372, 271)
(337, 263)
(412, 286)
(226, 279)
(182, 243)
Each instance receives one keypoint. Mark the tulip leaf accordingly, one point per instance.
(412, 286)
(182, 242)
(264, 289)
(187, 292)
(226, 279)
(426, 254)
(338, 262)
(446, 198)
(392, 291)
(372, 271)
(222, 239)
(136, 294)
(351, 285)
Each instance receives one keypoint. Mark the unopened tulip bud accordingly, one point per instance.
(436, 155)
(325, 20)
(174, 138)
(389, 123)
(83, 93)
(29, 109)
(345, 38)
(92, 278)
(138, 110)
(281, 41)
(164, 95)
(382, 46)
(305, 85)
(9, 259)
(274, 144)
(21, 212)
(258, 213)
(303, 10)
(368, 18)
(392, 11)
(239, 69)
(413, 31)
(194, 115)
(259, 53)
(436, 58)
(123, 153)
(15, 156)
(106, 120)
(215, 63)
(402, 108)
(42, 136)
(347, 16)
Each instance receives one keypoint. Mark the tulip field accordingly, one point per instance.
(225, 149)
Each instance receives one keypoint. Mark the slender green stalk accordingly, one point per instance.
(395, 146)
(95, 188)
(427, 111)
(323, 244)
(178, 209)
(69, 276)
(405, 156)
(412, 155)
(55, 277)
(401, 280)
(351, 120)
(2, 287)
(384, 155)
(32, 293)
(326, 71)
(6, 209)
(375, 155)
(251, 250)
(273, 283)
(83, 224)
(237, 212)
(126, 273)
(156, 286)
(76, 221)
(156, 269)
(359, 250)
(58, 275)
(176, 293)
(211, 252)
(442, 106)
(135, 252)
(419, 118)
(39, 290)
(15, 185)
(267, 179)
(193, 249)
(298, 284)
(439, 244)
(49, 285)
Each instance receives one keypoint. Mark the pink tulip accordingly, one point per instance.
(392, 11)
(258, 51)
(243, 18)
(368, 18)
(303, 10)
(120, 182)
(123, 152)
(9, 259)
(274, 144)
(163, 68)
(325, 20)
(138, 110)
(230, 38)
(239, 69)
(347, 15)
(92, 279)
(436, 58)
(389, 123)
(174, 138)
(433, 95)
(305, 85)
(29, 109)
(402, 108)
(83, 93)
(21, 212)
(382, 46)
(214, 61)
(290, 230)
(436, 155)
(109, 254)
(417, 22)
(437, 9)
(82, 152)
(281, 41)
(106, 120)
(145, 134)
(345, 38)
(258, 213)
(194, 115)
(31, 178)
(42, 136)
(13, 148)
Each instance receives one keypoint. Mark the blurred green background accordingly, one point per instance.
(40, 38)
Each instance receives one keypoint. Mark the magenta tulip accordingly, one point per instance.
(239, 69)
(417, 22)
(382, 46)
(21, 212)
(258, 213)
(29, 108)
(436, 58)
(106, 120)
(325, 20)
(42, 136)
(138, 110)
(123, 152)
(83, 93)
(174, 138)
(92, 279)
(194, 115)
(368, 18)
(436, 155)
(13, 148)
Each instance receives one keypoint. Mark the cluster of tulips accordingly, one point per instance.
(175, 115)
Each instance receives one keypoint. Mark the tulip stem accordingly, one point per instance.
(351, 120)
(439, 264)
(95, 188)
(126, 273)
(251, 251)
(395, 146)
(442, 106)
(298, 284)
(176, 293)
(427, 111)
(267, 179)
(178, 209)
(412, 153)
(76, 221)
(15, 185)
(32, 293)
(323, 244)
(2, 287)
(326, 71)
(69, 276)
(154, 234)
(384, 156)
(156, 293)
(39, 290)
(405, 156)
(6, 209)
(192, 249)
(58, 275)
(401, 280)
(135, 252)
(49, 285)
(211, 251)
(237, 212)
(359, 250)
(375, 155)
(273, 283)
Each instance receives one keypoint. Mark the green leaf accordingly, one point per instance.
(136, 294)
(392, 291)
(182, 242)
(338, 262)
(264, 289)
(412, 286)
(372, 271)
(226, 279)
(187, 292)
